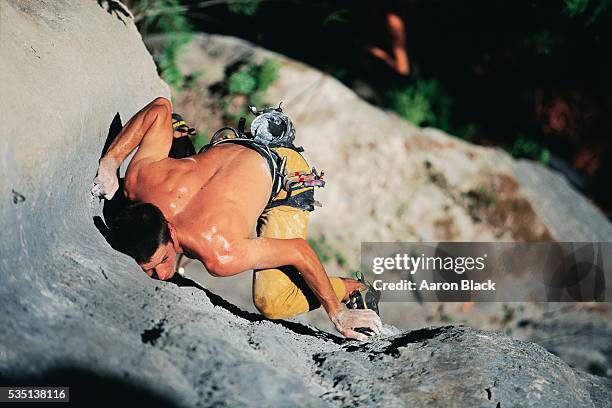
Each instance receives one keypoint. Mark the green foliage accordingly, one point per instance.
(468, 132)
(337, 72)
(190, 80)
(591, 10)
(543, 42)
(508, 313)
(267, 73)
(337, 16)
(436, 177)
(525, 147)
(322, 249)
(244, 7)
(242, 83)
(199, 140)
(162, 16)
(167, 17)
(250, 83)
(446, 318)
(576, 7)
(326, 252)
(479, 198)
(253, 78)
(424, 103)
(167, 59)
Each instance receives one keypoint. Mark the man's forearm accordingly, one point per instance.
(265, 253)
(315, 276)
(132, 134)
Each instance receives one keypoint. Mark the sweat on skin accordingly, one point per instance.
(207, 220)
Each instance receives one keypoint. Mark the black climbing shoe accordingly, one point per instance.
(178, 123)
(367, 298)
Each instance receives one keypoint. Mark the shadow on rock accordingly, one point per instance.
(115, 8)
(217, 300)
(89, 389)
(114, 206)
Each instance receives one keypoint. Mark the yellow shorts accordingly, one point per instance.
(280, 293)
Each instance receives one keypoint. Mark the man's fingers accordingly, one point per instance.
(378, 323)
(370, 323)
(373, 324)
(374, 327)
(352, 334)
(367, 314)
(367, 318)
(97, 190)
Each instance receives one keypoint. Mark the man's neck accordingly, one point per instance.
(180, 243)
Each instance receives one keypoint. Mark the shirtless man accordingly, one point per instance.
(206, 206)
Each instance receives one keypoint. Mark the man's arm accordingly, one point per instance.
(151, 130)
(265, 253)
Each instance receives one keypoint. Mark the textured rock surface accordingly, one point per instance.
(578, 335)
(75, 312)
(457, 367)
(576, 219)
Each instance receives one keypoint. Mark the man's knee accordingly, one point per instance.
(161, 109)
(162, 102)
(276, 296)
(270, 308)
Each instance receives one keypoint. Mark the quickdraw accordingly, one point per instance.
(300, 179)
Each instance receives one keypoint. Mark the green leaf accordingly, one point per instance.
(241, 83)
(244, 7)
(268, 74)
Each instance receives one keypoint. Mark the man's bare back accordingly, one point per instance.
(193, 192)
(211, 203)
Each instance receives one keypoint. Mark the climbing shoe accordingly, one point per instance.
(366, 298)
(178, 123)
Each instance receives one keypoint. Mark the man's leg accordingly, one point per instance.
(181, 147)
(282, 292)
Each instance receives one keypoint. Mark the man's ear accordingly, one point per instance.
(174, 238)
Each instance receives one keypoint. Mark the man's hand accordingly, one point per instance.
(347, 320)
(106, 182)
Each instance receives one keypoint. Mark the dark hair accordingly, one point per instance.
(138, 230)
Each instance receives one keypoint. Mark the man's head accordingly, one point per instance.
(141, 231)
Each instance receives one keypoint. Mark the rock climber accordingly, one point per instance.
(206, 205)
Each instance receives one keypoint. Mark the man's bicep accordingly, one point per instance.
(157, 128)
(264, 253)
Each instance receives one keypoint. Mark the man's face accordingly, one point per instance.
(161, 264)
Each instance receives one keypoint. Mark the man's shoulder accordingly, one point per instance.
(211, 244)
(144, 173)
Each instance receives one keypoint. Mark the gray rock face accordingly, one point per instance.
(448, 366)
(579, 336)
(568, 215)
(74, 312)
